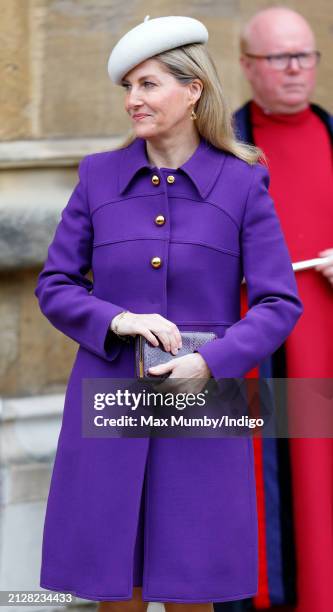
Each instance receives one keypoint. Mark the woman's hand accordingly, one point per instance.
(192, 369)
(147, 325)
(326, 268)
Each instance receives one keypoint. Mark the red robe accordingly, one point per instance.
(299, 157)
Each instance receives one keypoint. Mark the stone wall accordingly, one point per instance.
(54, 56)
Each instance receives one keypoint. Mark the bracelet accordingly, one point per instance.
(115, 330)
(118, 317)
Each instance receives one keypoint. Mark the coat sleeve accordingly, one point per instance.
(64, 291)
(273, 300)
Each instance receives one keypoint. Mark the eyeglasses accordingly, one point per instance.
(281, 61)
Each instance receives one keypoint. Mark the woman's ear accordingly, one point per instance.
(195, 90)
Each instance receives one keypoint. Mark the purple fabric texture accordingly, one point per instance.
(200, 520)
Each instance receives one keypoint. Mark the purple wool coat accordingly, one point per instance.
(176, 516)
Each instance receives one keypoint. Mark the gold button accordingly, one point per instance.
(171, 179)
(159, 220)
(156, 262)
(155, 179)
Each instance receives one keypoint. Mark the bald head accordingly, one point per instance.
(278, 31)
(271, 29)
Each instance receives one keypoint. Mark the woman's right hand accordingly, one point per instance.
(147, 325)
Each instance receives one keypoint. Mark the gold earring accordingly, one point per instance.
(193, 114)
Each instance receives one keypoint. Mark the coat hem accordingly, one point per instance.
(149, 598)
(208, 599)
(90, 596)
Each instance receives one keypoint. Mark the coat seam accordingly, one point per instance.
(248, 195)
(87, 185)
(143, 493)
(170, 196)
(130, 197)
(225, 212)
(167, 240)
(212, 322)
(146, 554)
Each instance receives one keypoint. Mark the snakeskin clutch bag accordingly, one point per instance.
(147, 355)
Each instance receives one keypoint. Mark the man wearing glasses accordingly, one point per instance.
(279, 58)
(283, 61)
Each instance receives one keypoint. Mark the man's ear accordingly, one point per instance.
(245, 65)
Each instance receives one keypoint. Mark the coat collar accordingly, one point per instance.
(203, 167)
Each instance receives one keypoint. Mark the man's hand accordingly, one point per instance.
(326, 268)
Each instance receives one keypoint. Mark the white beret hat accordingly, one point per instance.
(151, 37)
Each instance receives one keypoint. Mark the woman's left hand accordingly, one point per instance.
(326, 268)
(191, 368)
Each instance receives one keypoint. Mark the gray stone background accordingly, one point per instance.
(56, 105)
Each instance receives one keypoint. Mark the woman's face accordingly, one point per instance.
(157, 103)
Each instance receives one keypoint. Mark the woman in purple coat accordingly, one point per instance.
(169, 224)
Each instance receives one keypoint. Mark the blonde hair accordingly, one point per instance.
(214, 119)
